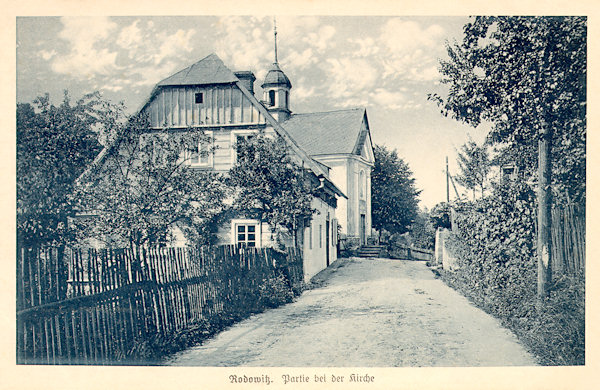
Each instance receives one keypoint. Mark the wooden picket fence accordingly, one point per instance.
(94, 306)
(568, 239)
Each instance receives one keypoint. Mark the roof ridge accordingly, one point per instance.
(188, 68)
(212, 68)
(328, 112)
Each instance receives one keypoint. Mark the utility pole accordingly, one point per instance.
(454, 186)
(544, 237)
(447, 182)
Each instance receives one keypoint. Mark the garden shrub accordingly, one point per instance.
(275, 291)
(494, 243)
(245, 291)
(154, 349)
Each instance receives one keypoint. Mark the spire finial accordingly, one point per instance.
(275, 34)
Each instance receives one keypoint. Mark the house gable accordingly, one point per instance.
(224, 104)
(366, 150)
(202, 105)
(364, 146)
(206, 93)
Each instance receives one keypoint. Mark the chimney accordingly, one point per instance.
(247, 79)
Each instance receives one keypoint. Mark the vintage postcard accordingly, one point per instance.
(255, 196)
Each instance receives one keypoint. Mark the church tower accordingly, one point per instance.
(276, 89)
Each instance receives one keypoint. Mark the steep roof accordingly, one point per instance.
(333, 132)
(209, 70)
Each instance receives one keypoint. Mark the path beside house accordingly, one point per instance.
(377, 313)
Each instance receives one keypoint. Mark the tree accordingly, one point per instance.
(474, 165)
(440, 216)
(269, 186)
(145, 187)
(527, 76)
(422, 232)
(54, 145)
(394, 198)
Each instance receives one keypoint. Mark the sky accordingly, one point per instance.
(387, 64)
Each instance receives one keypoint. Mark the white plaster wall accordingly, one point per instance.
(224, 234)
(352, 212)
(178, 238)
(344, 173)
(369, 223)
(315, 257)
(338, 175)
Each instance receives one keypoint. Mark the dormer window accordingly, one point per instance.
(271, 98)
(199, 98)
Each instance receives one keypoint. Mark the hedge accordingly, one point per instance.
(493, 240)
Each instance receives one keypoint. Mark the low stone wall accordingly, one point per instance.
(443, 256)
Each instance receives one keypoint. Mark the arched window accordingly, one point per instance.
(271, 98)
(286, 102)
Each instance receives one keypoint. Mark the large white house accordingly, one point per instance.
(209, 95)
(335, 147)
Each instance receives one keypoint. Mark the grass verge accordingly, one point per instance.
(554, 331)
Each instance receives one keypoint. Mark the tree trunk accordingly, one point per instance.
(544, 241)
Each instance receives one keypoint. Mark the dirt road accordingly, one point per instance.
(369, 313)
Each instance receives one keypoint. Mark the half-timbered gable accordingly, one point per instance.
(206, 105)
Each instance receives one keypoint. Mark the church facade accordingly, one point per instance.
(341, 140)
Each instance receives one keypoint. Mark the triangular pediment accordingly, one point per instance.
(367, 149)
(364, 146)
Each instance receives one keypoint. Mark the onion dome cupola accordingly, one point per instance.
(276, 89)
